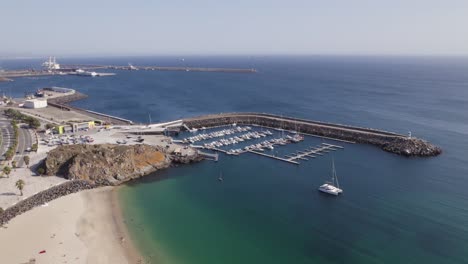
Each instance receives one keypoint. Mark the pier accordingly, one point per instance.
(316, 151)
(61, 102)
(159, 68)
(273, 157)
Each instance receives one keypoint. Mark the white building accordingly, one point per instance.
(35, 103)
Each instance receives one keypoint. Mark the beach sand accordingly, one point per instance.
(84, 227)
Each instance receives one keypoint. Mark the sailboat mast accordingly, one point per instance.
(335, 178)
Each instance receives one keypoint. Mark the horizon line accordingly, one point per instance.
(103, 55)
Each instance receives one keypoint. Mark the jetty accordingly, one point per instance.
(400, 144)
(71, 95)
(301, 155)
(159, 68)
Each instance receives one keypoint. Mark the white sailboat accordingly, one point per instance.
(332, 187)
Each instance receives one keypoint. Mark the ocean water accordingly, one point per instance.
(394, 209)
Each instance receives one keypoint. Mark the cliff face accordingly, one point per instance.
(107, 164)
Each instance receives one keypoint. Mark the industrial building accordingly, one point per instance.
(35, 103)
(75, 127)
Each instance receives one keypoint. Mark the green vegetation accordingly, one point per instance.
(12, 149)
(41, 171)
(1, 210)
(18, 116)
(7, 171)
(20, 185)
(26, 160)
(34, 147)
(49, 126)
(13, 164)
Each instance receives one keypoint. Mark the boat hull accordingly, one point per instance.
(330, 189)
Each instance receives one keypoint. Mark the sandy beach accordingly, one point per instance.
(84, 227)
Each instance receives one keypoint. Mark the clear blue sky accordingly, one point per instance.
(152, 27)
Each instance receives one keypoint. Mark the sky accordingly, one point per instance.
(247, 27)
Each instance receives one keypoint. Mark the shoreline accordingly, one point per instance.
(87, 227)
(132, 253)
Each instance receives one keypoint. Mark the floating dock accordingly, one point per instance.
(273, 157)
(315, 151)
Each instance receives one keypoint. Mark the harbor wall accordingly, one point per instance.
(388, 141)
(62, 103)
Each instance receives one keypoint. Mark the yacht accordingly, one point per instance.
(332, 187)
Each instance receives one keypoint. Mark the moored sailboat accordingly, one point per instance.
(332, 187)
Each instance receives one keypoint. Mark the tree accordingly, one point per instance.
(26, 160)
(7, 171)
(34, 147)
(49, 126)
(20, 185)
(33, 122)
(13, 164)
(41, 171)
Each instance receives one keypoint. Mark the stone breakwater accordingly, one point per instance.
(44, 197)
(388, 141)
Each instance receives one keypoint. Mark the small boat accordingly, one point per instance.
(332, 187)
(220, 178)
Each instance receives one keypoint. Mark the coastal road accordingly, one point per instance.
(24, 142)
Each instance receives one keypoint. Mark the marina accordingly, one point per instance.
(236, 140)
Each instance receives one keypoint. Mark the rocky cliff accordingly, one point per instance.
(108, 164)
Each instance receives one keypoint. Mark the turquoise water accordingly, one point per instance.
(266, 211)
(393, 210)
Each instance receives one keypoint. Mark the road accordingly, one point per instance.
(24, 139)
(24, 142)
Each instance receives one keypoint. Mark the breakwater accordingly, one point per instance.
(160, 68)
(44, 197)
(62, 102)
(388, 141)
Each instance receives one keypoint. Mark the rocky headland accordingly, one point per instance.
(110, 164)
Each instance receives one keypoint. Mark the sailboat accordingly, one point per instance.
(332, 187)
(220, 178)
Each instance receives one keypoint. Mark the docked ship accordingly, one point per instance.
(51, 64)
(81, 72)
